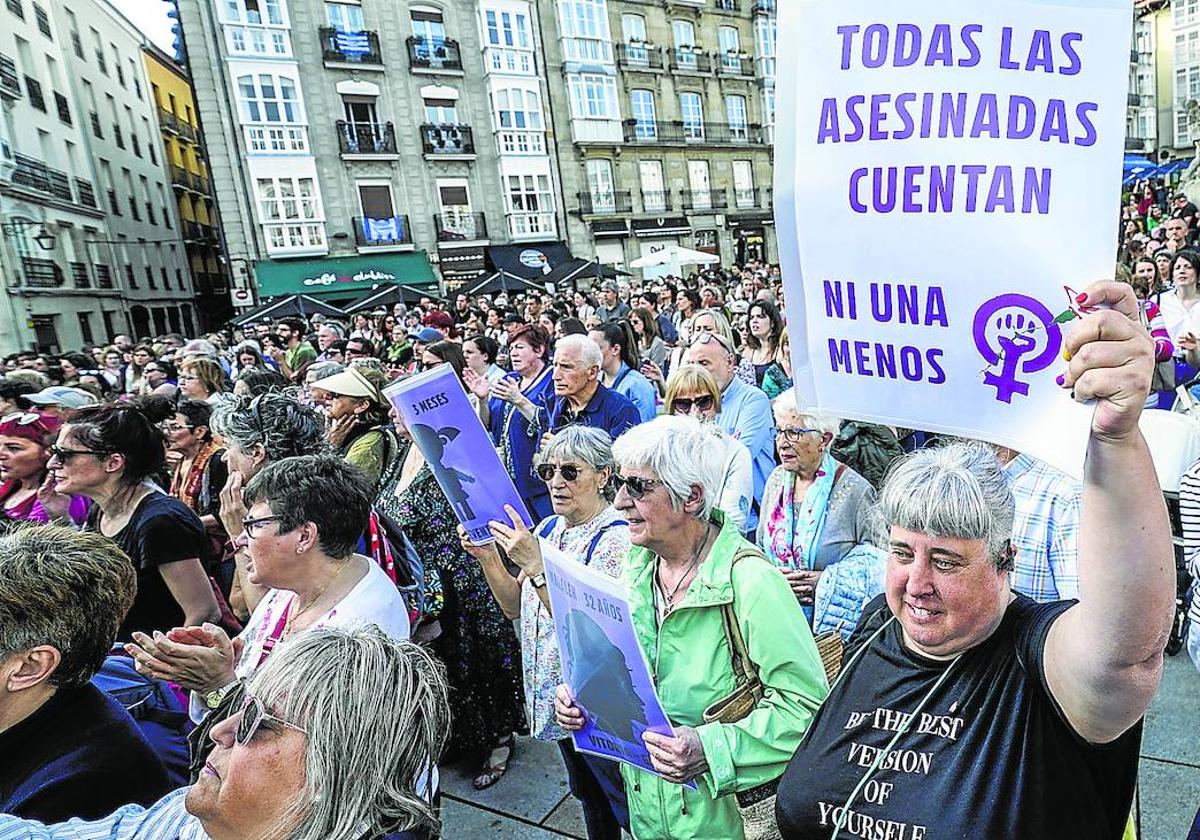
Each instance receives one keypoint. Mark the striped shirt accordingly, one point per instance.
(165, 820)
(1045, 530)
(1189, 515)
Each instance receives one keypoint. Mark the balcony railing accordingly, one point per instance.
(80, 275)
(656, 202)
(605, 203)
(35, 175)
(350, 47)
(357, 138)
(734, 64)
(728, 5)
(86, 192)
(689, 60)
(447, 139)
(10, 82)
(639, 57)
(103, 276)
(688, 132)
(382, 233)
(435, 54)
(746, 199)
(531, 224)
(705, 200)
(460, 226)
(42, 274)
(192, 231)
(763, 7)
(168, 121)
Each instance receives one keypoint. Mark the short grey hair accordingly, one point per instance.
(282, 425)
(580, 443)
(589, 351)
(376, 715)
(813, 418)
(958, 490)
(682, 452)
(319, 370)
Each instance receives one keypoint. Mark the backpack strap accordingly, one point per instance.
(743, 666)
(587, 559)
(548, 525)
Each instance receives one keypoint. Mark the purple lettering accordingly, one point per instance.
(954, 113)
(1069, 40)
(935, 308)
(1083, 111)
(926, 115)
(1006, 62)
(860, 356)
(1037, 190)
(1022, 113)
(939, 375)
(847, 32)
(828, 128)
(908, 45)
(878, 115)
(885, 359)
(905, 115)
(855, 178)
(941, 189)
(1041, 54)
(912, 190)
(940, 51)
(875, 45)
(987, 117)
(881, 302)
(910, 363)
(1001, 193)
(1054, 125)
(969, 34)
(906, 304)
(853, 104)
(973, 171)
(881, 205)
(839, 354)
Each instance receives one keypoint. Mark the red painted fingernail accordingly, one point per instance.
(1061, 379)
(1081, 297)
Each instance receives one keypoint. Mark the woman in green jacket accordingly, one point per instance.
(687, 562)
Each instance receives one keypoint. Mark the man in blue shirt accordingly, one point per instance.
(745, 410)
(579, 397)
(618, 373)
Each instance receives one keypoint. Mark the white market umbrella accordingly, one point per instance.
(675, 255)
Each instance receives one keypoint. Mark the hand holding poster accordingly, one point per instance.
(946, 177)
(602, 662)
(459, 451)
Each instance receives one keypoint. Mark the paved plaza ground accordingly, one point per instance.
(532, 803)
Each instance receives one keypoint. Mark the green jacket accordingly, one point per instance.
(690, 660)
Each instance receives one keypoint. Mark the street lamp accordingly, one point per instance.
(45, 239)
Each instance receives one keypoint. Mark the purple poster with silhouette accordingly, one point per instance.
(946, 178)
(459, 451)
(602, 662)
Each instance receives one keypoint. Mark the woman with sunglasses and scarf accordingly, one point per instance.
(815, 510)
(690, 577)
(577, 468)
(692, 391)
(333, 740)
(27, 491)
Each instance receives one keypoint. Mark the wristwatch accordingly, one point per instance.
(214, 699)
(538, 580)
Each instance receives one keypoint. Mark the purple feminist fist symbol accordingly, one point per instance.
(1015, 330)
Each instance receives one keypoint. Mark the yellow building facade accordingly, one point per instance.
(178, 121)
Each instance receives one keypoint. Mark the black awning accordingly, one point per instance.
(575, 271)
(528, 260)
(286, 306)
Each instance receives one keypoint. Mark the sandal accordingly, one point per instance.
(495, 768)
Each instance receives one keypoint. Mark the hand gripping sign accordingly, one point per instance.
(944, 170)
(443, 425)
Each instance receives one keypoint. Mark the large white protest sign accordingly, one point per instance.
(945, 173)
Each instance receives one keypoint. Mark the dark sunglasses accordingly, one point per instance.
(546, 472)
(63, 454)
(683, 405)
(635, 486)
(254, 713)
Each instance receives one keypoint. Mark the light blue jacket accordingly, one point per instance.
(746, 416)
(845, 587)
(639, 390)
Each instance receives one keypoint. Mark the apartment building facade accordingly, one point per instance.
(664, 115)
(357, 144)
(178, 121)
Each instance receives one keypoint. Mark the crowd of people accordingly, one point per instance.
(225, 508)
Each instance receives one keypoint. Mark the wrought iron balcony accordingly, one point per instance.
(434, 54)
(86, 192)
(10, 82)
(689, 132)
(734, 64)
(689, 60)
(639, 57)
(382, 233)
(656, 202)
(35, 175)
(358, 138)
(460, 226)
(340, 47)
(763, 7)
(449, 140)
(605, 203)
(746, 199)
(81, 276)
(104, 278)
(42, 274)
(700, 200)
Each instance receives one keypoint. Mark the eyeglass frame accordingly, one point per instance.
(704, 337)
(63, 455)
(794, 435)
(250, 702)
(249, 523)
(170, 426)
(628, 483)
(556, 469)
(692, 402)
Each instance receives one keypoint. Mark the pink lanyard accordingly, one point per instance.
(268, 645)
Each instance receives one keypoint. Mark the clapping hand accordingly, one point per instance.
(477, 384)
(233, 510)
(200, 659)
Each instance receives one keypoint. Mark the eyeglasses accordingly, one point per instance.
(684, 405)
(188, 377)
(704, 337)
(635, 486)
(175, 427)
(254, 713)
(546, 472)
(64, 454)
(252, 525)
(794, 435)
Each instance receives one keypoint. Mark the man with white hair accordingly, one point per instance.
(745, 410)
(579, 396)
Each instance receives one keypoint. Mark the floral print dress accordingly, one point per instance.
(478, 645)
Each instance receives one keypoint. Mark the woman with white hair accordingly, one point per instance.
(334, 741)
(815, 510)
(577, 467)
(967, 710)
(698, 593)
